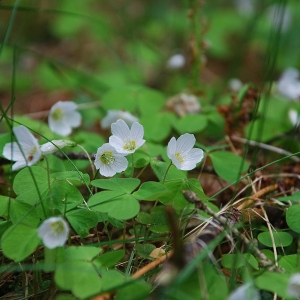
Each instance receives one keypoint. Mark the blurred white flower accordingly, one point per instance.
(26, 153)
(176, 61)
(289, 84)
(54, 232)
(55, 145)
(294, 286)
(235, 84)
(114, 115)
(245, 7)
(126, 140)
(279, 15)
(182, 153)
(184, 104)
(294, 117)
(246, 292)
(109, 161)
(63, 117)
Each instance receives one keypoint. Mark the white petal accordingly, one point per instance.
(137, 132)
(73, 118)
(50, 237)
(117, 144)
(19, 165)
(176, 162)
(294, 285)
(294, 117)
(65, 106)
(195, 155)
(172, 145)
(246, 292)
(23, 135)
(185, 143)
(121, 130)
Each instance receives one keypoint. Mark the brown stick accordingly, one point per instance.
(152, 265)
(257, 195)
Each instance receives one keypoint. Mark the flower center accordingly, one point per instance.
(57, 227)
(179, 157)
(107, 158)
(31, 154)
(57, 114)
(130, 145)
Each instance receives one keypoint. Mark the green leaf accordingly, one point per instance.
(137, 290)
(62, 196)
(84, 253)
(175, 196)
(144, 250)
(150, 101)
(273, 282)
(29, 186)
(125, 185)
(150, 191)
(228, 165)
(72, 176)
(235, 261)
(120, 99)
(191, 124)
(293, 216)
(24, 213)
(289, 262)
(109, 259)
(111, 279)
(159, 130)
(143, 218)
(159, 222)
(4, 202)
(281, 239)
(19, 241)
(118, 205)
(294, 197)
(82, 220)
(80, 277)
(160, 169)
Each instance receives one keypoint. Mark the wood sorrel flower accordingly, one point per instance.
(126, 140)
(114, 115)
(109, 161)
(26, 152)
(294, 286)
(54, 232)
(182, 153)
(55, 145)
(63, 117)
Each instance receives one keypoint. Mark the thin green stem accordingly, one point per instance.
(89, 158)
(49, 184)
(164, 179)
(132, 165)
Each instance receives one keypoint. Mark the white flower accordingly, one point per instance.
(289, 84)
(114, 115)
(184, 104)
(26, 153)
(235, 84)
(176, 61)
(294, 117)
(182, 153)
(126, 140)
(54, 232)
(294, 286)
(55, 145)
(63, 117)
(246, 291)
(109, 161)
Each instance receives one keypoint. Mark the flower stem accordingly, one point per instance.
(89, 158)
(49, 184)
(132, 166)
(164, 179)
